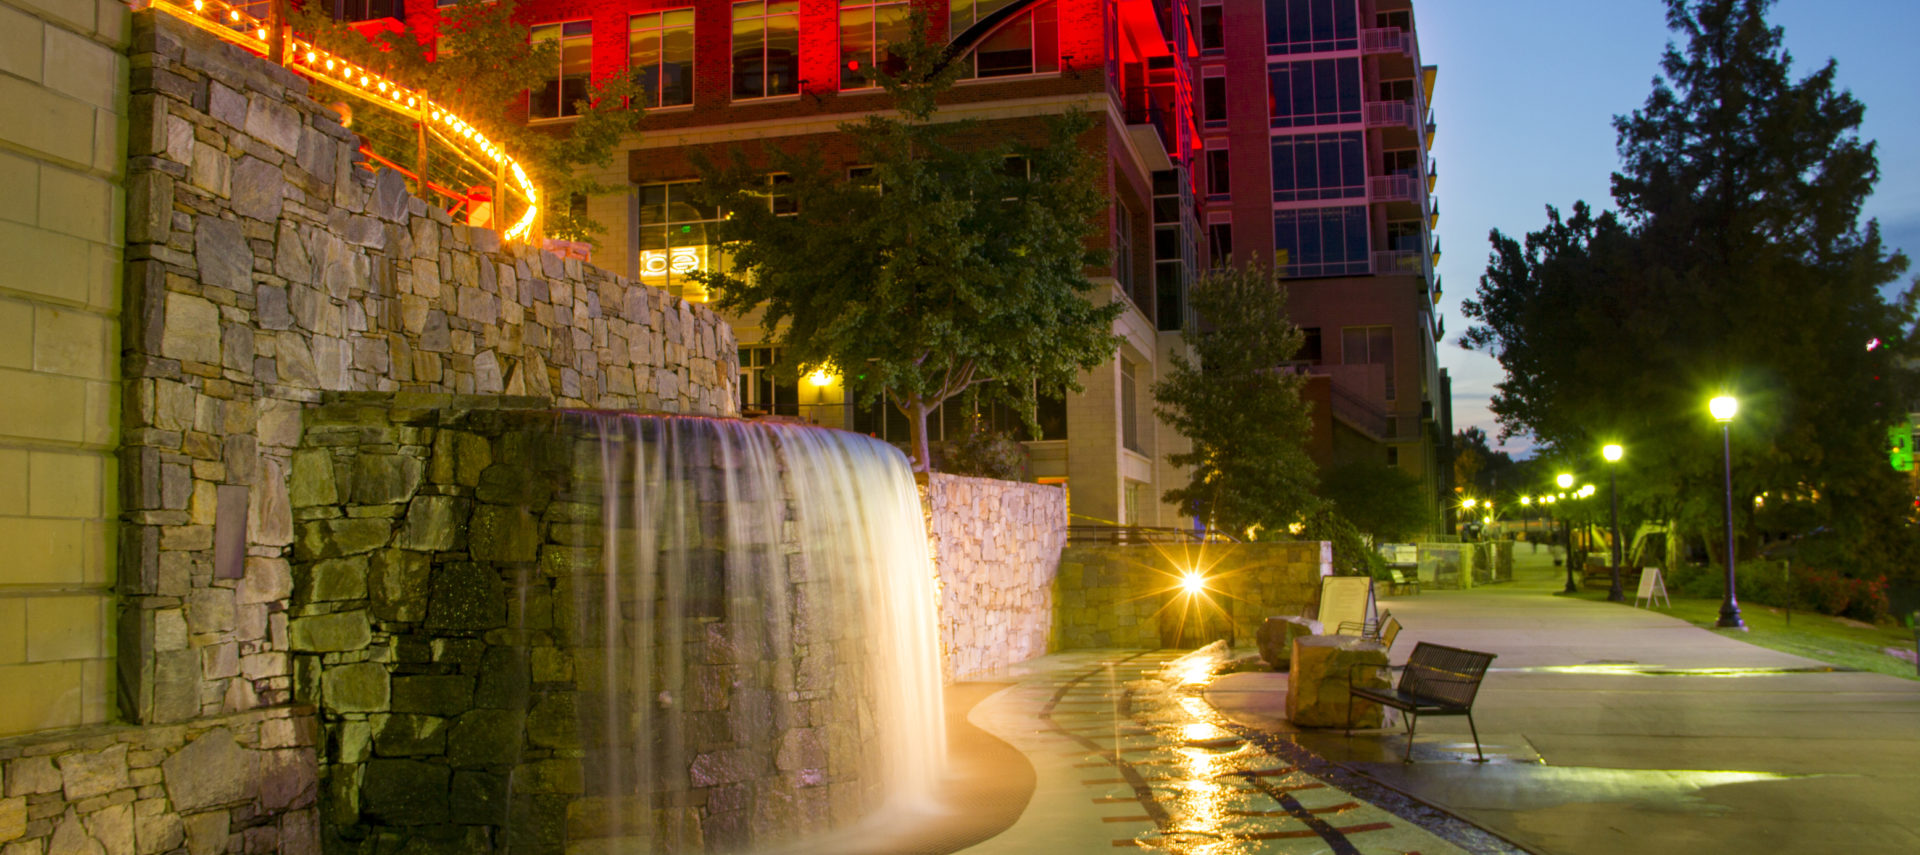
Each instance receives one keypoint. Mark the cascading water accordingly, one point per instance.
(756, 652)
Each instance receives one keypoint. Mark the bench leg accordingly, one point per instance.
(1413, 721)
(1476, 739)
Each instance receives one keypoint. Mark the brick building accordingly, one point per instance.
(1230, 129)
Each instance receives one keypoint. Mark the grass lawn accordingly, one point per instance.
(1835, 641)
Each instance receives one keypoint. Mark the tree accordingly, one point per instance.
(1381, 500)
(1736, 262)
(958, 263)
(1241, 406)
(478, 63)
(1480, 471)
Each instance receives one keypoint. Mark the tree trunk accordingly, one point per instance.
(916, 410)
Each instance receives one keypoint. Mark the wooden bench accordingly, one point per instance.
(1398, 583)
(1437, 680)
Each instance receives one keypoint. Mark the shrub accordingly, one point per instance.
(985, 453)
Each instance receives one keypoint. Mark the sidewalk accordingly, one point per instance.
(1612, 729)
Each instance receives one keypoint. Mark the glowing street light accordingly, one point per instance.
(1193, 582)
(1613, 453)
(1723, 409)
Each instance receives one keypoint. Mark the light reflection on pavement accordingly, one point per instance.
(1129, 756)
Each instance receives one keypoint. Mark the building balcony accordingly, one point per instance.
(1393, 188)
(1402, 262)
(1396, 115)
(1150, 129)
(1398, 51)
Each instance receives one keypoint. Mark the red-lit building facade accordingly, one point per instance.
(1316, 133)
(1228, 129)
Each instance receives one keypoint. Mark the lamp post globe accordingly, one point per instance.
(1723, 409)
(1612, 453)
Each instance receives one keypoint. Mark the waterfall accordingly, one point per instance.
(756, 650)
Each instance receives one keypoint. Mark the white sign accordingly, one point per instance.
(1651, 586)
(679, 260)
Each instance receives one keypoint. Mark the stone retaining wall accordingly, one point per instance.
(234, 783)
(1130, 596)
(996, 546)
(266, 266)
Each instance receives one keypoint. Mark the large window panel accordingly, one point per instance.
(868, 30)
(675, 238)
(660, 56)
(766, 49)
(1303, 93)
(1029, 44)
(560, 97)
(1312, 167)
(1312, 26)
(1322, 241)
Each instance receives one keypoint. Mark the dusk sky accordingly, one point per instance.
(1524, 103)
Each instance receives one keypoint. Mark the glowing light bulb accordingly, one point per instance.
(262, 32)
(329, 65)
(199, 6)
(1192, 582)
(310, 57)
(233, 15)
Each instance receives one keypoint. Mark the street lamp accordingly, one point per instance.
(1613, 453)
(1565, 480)
(1723, 408)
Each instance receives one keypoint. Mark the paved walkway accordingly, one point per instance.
(1127, 756)
(1612, 729)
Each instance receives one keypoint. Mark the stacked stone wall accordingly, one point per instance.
(1131, 596)
(996, 547)
(235, 783)
(453, 624)
(267, 266)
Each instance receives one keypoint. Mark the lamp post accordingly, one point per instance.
(1613, 453)
(1565, 480)
(1723, 409)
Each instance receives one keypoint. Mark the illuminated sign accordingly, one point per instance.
(1900, 447)
(675, 261)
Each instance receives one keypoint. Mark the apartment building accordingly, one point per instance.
(750, 76)
(1316, 131)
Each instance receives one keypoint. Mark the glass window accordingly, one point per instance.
(675, 239)
(1220, 244)
(766, 49)
(560, 97)
(760, 394)
(1322, 241)
(1029, 44)
(1369, 346)
(1129, 422)
(1213, 91)
(1314, 92)
(1213, 31)
(1311, 26)
(1219, 176)
(867, 29)
(1123, 246)
(1309, 346)
(1310, 167)
(660, 56)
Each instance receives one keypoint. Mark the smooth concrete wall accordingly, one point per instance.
(62, 165)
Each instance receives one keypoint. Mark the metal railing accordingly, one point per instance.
(1140, 535)
(461, 153)
(1393, 188)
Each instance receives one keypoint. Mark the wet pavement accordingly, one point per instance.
(1612, 729)
(1128, 755)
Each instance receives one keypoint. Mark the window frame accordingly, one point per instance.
(767, 74)
(875, 42)
(662, 29)
(1036, 55)
(562, 102)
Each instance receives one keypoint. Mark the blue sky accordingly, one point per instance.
(1525, 99)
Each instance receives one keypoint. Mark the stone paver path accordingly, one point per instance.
(1128, 755)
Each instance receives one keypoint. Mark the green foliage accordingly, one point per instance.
(1384, 501)
(1352, 556)
(480, 67)
(942, 271)
(1482, 472)
(1240, 406)
(985, 453)
(1737, 263)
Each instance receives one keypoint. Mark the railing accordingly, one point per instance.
(1387, 40)
(1356, 411)
(1140, 535)
(1412, 262)
(491, 173)
(1392, 114)
(1393, 188)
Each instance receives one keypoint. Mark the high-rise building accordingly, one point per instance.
(746, 76)
(1317, 131)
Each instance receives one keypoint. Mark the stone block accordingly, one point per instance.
(112, 827)
(70, 837)
(408, 735)
(465, 596)
(207, 832)
(1276, 637)
(433, 523)
(1317, 687)
(441, 695)
(331, 579)
(13, 818)
(504, 533)
(360, 687)
(385, 478)
(211, 770)
(312, 480)
(192, 332)
(337, 537)
(267, 580)
(85, 774)
(340, 631)
(399, 584)
(405, 792)
(486, 738)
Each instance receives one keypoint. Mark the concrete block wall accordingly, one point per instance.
(996, 547)
(62, 165)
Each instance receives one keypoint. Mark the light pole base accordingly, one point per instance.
(1730, 619)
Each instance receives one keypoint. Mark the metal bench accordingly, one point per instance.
(1398, 583)
(1437, 680)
